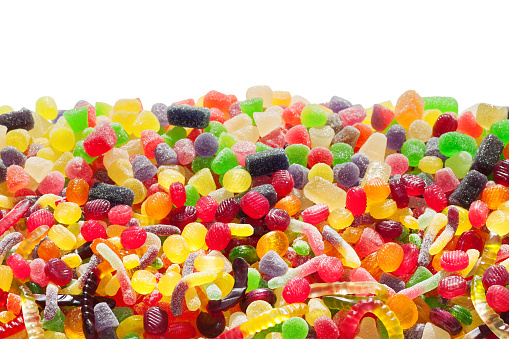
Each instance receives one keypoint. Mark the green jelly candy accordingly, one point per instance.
(122, 136)
(261, 335)
(444, 104)
(415, 239)
(222, 175)
(501, 130)
(393, 122)
(253, 279)
(56, 324)
(298, 154)
(433, 302)
(192, 195)
(463, 315)
(161, 131)
(414, 150)
(301, 247)
(102, 108)
(295, 328)
(226, 141)
(460, 164)
(215, 128)
(157, 263)
(404, 234)
(276, 328)
(34, 287)
(260, 147)
(122, 313)
(451, 143)
(420, 274)
(79, 151)
(131, 336)
(224, 161)
(201, 163)
(86, 132)
(313, 115)
(174, 135)
(77, 118)
(252, 105)
(246, 252)
(341, 153)
(263, 284)
(382, 330)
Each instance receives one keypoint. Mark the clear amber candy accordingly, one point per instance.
(275, 240)
(77, 191)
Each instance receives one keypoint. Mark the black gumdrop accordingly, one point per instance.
(488, 154)
(469, 189)
(267, 162)
(188, 116)
(116, 195)
(21, 119)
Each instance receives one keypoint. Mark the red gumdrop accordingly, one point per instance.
(326, 328)
(274, 139)
(410, 256)
(369, 242)
(218, 236)
(365, 133)
(298, 135)
(296, 290)
(478, 214)
(254, 204)
(58, 272)
(77, 167)
(282, 181)
(54, 183)
(495, 275)
(467, 124)
(435, 197)
(178, 194)
(194, 134)
(444, 124)
(120, 214)
(20, 267)
(498, 298)
(100, 141)
(133, 237)
(91, 115)
(206, 207)
(315, 214)
(39, 218)
(414, 185)
(381, 117)
(153, 189)
(149, 140)
(452, 286)
(96, 209)
(227, 210)
(92, 229)
(277, 220)
(217, 115)
(291, 114)
(330, 269)
(468, 240)
(189, 102)
(218, 100)
(454, 261)
(320, 155)
(356, 200)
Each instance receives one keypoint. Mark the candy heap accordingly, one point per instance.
(264, 218)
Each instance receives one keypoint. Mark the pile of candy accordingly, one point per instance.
(264, 218)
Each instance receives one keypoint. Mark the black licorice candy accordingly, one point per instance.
(267, 162)
(188, 116)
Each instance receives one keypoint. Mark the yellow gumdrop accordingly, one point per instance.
(281, 98)
(225, 283)
(67, 213)
(194, 234)
(430, 164)
(237, 180)
(140, 191)
(133, 105)
(120, 171)
(18, 138)
(321, 170)
(203, 181)
(62, 138)
(317, 309)
(43, 141)
(62, 162)
(133, 324)
(168, 176)
(143, 282)
(73, 260)
(6, 109)
(431, 116)
(167, 283)
(126, 119)
(131, 261)
(62, 237)
(209, 263)
(113, 155)
(5, 277)
(420, 130)
(241, 230)
(145, 120)
(257, 307)
(340, 218)
(176, 249)
(46, 107)
(48, 153)
(383, 209)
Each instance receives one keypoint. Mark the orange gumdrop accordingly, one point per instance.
(404, 309)
(77, 191)
(494, 195)
(115, 230)
(377, 190)
(48, 250)
(365, 133)
(352, 234)
(389, 257)
(291, 204)
(158, 205)
(17, 178)
(410, 107)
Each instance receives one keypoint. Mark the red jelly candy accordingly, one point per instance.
(58, 272)
(96, 209)
(315, 214)
(100, 141)
(452, 286)
(178, 194)
(454, 261)
(296, 290)
(277, 220)
(133, 237)
(495, 275)
(206, 208)
(330, 269)
(478, 214)
(356, 200)
(218, 236)
(497, 297)
(39, 218)
(254, 204)
(414, 185)
(444, 124)
(282, 181)
(120, 214)
(92, 229)
(435, 197)
(381, 117)
(320, 155)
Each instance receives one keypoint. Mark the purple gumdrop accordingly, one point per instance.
(432, 149)
(234, 109)
(337, 104)
(159, 110)
(299, 174)
(272, 264)
(346, 174)
(362, 162)
(206, 145)
(12, 156)
(165, 155)
(143, 169)
(396, 136)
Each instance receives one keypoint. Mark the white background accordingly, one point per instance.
(366, 52)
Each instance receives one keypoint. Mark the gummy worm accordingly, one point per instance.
(27, 246)
(318, 290)
(314, 237)
(51, 302)
(147, 258)
(334, 238)
(341, 302)
(302, 271)
(30, 314)
(87, 308)
(239, 267)
(439, 221)
(425, 286)
(73, 300)
(7, 242)
(191, 280)
(478, 293)
(12, 327)
(453, 217)
(14, 215)
(77, 286)
(377, 307)
(265, 320)
(162, 230)
(480, 332)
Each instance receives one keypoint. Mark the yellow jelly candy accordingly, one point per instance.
(5, 277)
(321, 170)
(62, 237)
(143, 282)
(430, 164)
(176, 249)
(46, 107)
(126, 119)
(18, 138)
(209, 263)
(131, 261)
(340, 218)
(140, 191)
(257, 307)
(145, 120)
(203, 181)
(120, 171)
(62, 138)
(168, 176)
(317, 309)
(237, 180)
(194, 234)
(67, 213)
(167, 283)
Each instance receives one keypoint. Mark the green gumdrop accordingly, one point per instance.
(382, 330)
(301, 247)
(34, 287)
(221, 176)
(420, 274)
(462, 314)
(313, 115)
(298, 154)
(215, 128)
(341, 153)
(86, 132)
(295, 328)
(414, 150)
(460, 164)
(161, 131)
(122, 313)
(174, 135)
(122, 136)
(246, 252)
(102, 108)
(501, 130)
(451, 143)
(444, 104)
(192, 195)
(224, 161)
(56, 324)
(253, 279)
(201, 163)
(415, 239)
(77, 118)
(226, 140)
(79, 151)
(260, 147)
(131, 336)
(252, 105)
(393, 122)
